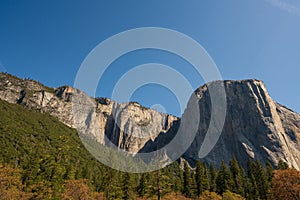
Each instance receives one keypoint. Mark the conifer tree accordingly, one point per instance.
(175, 175)
(237, 175)
(270, 171)
(159, 183)
(186, 180)
(127, 190)
(202, 179)
(212, 178)
(112, 179)
(251, 191)
(142, 187)
(224, 180)
(260, 178)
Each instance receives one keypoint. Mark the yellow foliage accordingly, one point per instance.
(207, 195)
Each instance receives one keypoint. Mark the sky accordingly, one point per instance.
(49, 40)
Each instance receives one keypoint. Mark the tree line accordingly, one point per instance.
(172, 182)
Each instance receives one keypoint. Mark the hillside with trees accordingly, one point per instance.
(41, 158)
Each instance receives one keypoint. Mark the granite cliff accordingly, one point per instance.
(255, 125)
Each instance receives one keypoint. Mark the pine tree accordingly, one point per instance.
(186, 180)
(212, 178)
(112, 179)
(159, 183)
(260, 178)
(237, 175)
(224, 180)
(270, 171)
(202, 179)
(142, 187)
(251, 191)
(127, 191)
(175, 175)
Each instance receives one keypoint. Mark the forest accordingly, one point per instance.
(41, 158)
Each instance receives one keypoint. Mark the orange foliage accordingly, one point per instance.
(10, 184)
(76, 189)
(207, 195)
(285, 185)
(174, 196)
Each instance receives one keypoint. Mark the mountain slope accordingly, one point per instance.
(44, 148)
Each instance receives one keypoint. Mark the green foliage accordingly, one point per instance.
(231, 196)
(238, 176)
(212, 178)
(202, 178)
(23, 83)
(44, 148)
(258, 180)
(127, 189)
(142, 187)
(224, 179)
(187, 181)
(53, 162)
(282, 165)
(270, 172)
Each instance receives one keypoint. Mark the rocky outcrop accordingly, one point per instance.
(128, 126)
(255, 127)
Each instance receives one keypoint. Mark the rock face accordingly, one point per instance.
(255, 127)
(128, 126)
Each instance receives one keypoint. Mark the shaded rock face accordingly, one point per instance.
(255, 127)
(129, 126)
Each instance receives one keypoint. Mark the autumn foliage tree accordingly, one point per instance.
(11, 186)
(286, 185)
(76, 190)
(207, 195)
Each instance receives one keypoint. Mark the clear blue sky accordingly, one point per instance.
(48, 40)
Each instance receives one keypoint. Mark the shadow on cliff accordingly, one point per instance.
(162, 139)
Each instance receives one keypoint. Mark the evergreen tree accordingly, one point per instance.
(251, 191)
(237, 175)
(186, 180)
(175, 174)
(127, 190)
(270, 171)
(112, 190)
(259, 177)
(142, 187)
(202, 179)
(212, 178)
(224, 180)
(159, 183)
